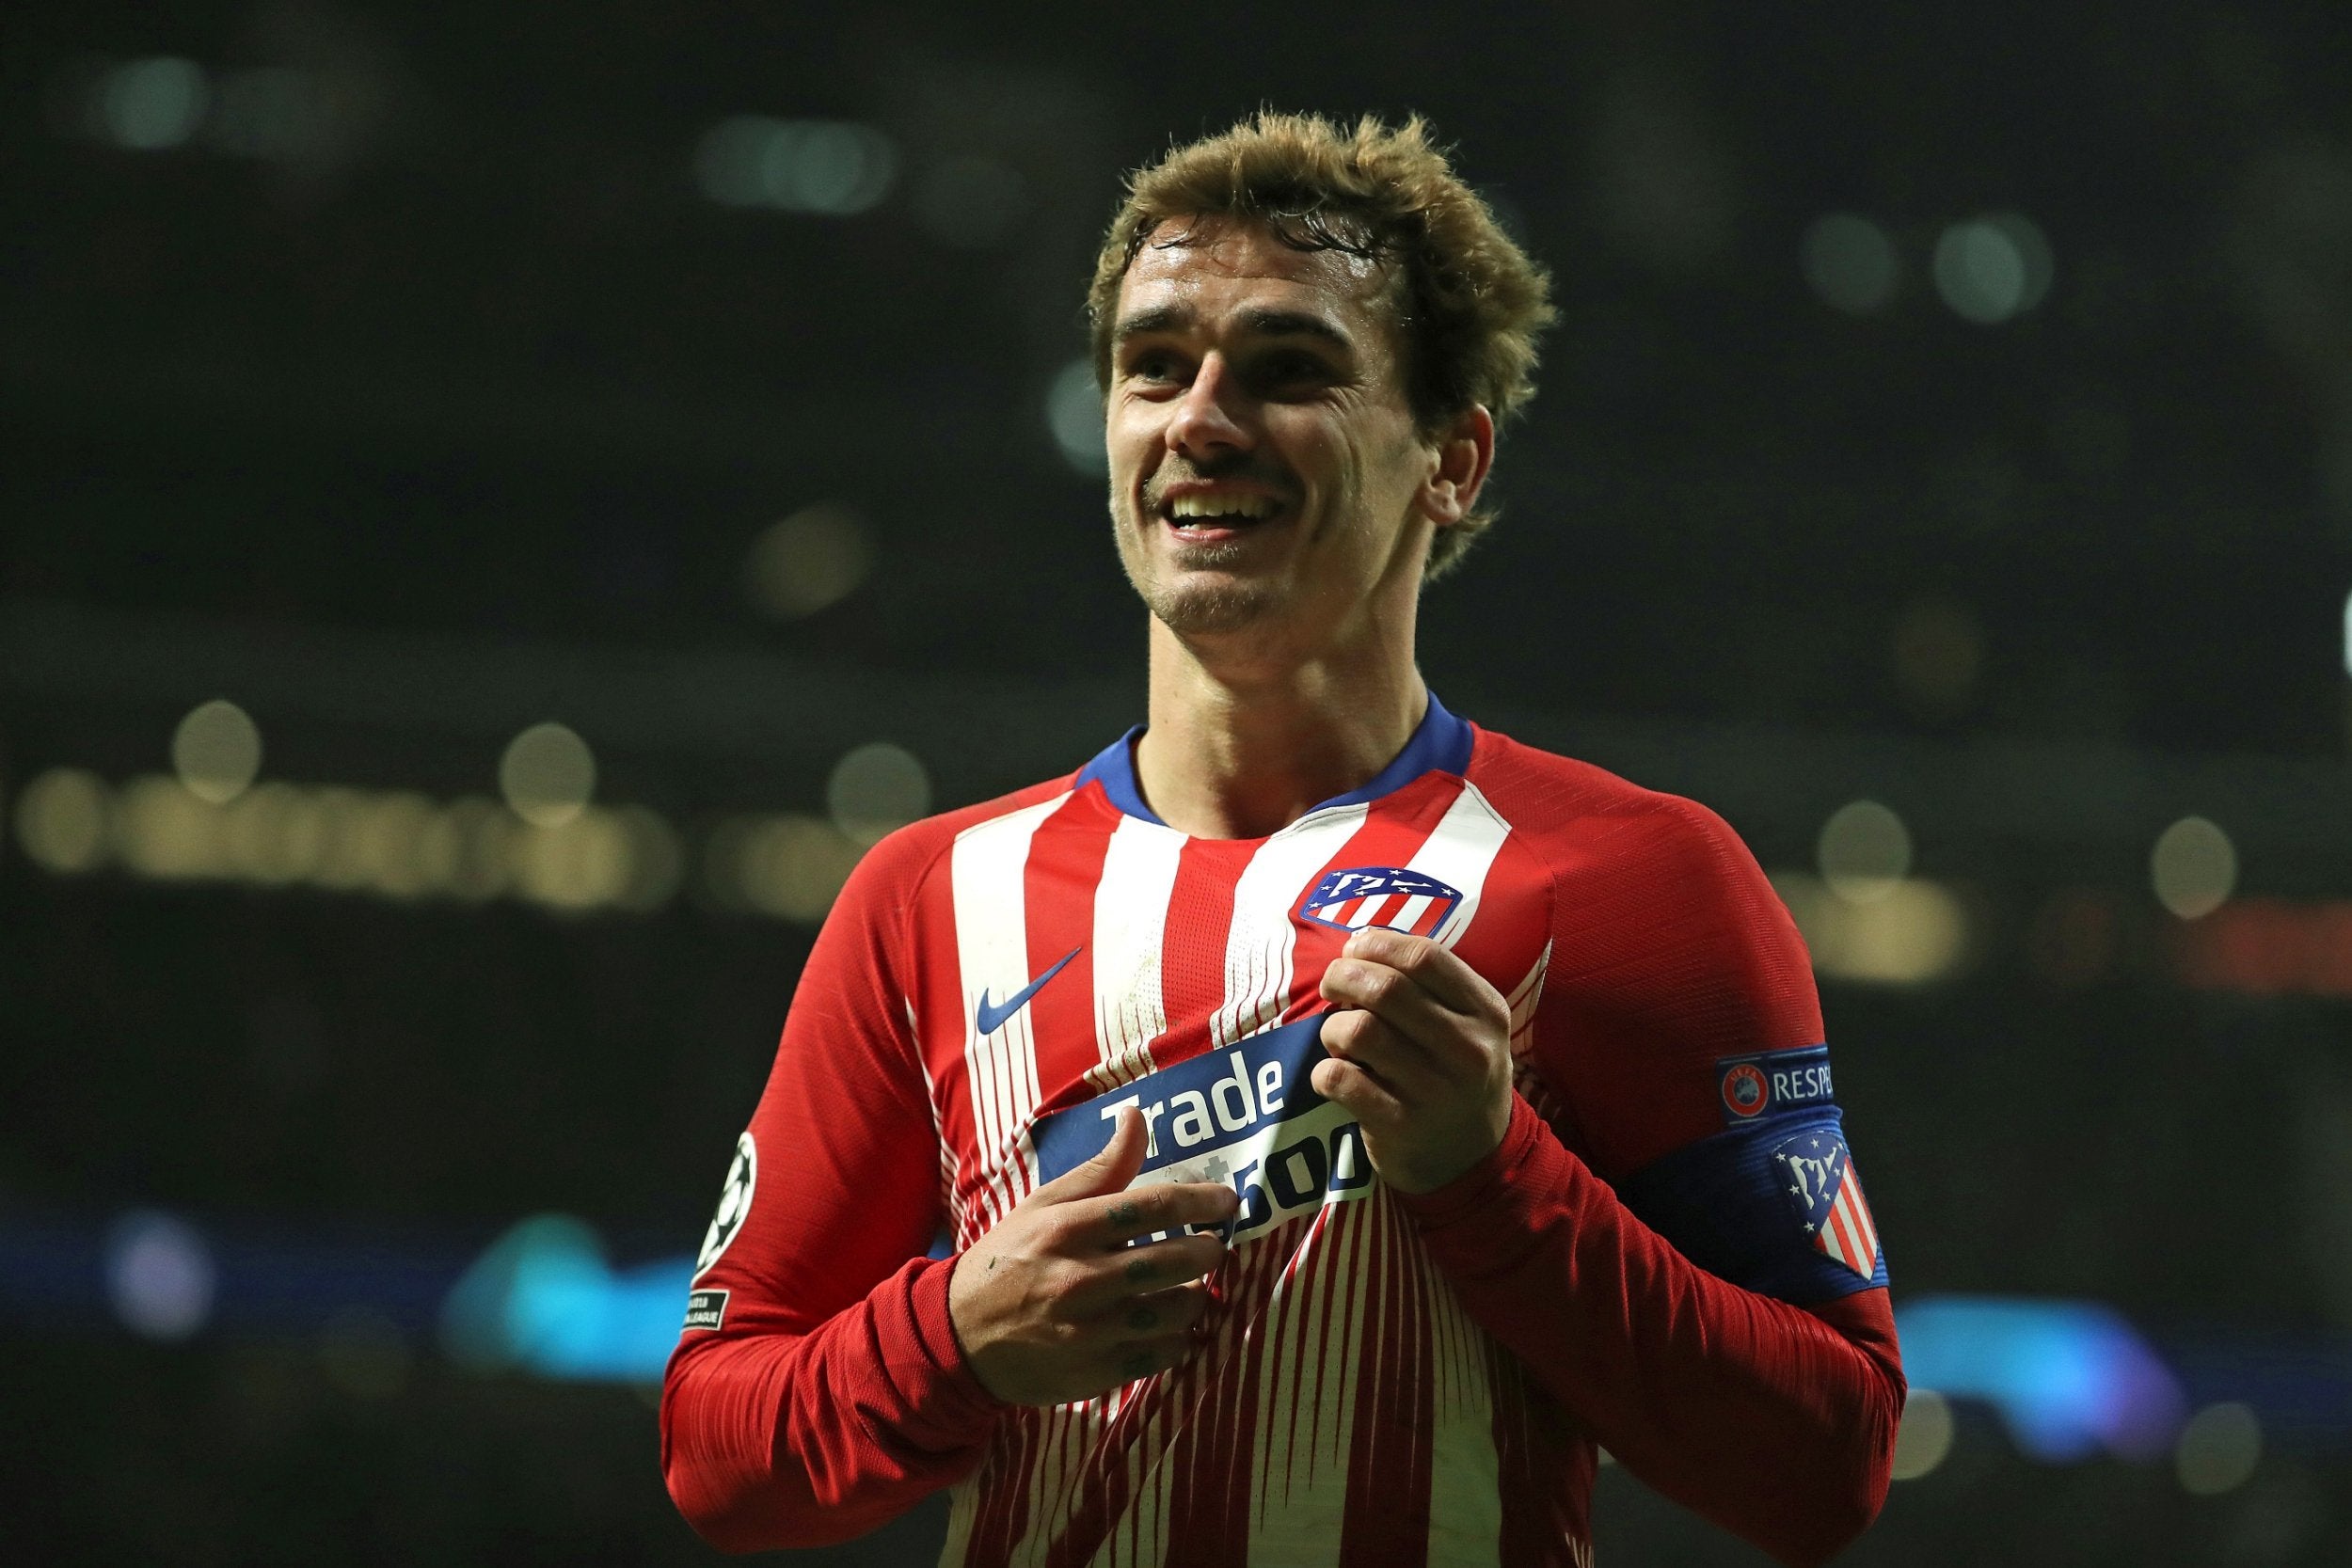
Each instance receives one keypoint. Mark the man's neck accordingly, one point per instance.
(1235, 750)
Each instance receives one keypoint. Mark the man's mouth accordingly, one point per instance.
(1211, 515)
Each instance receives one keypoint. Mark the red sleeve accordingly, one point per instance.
(831, 1396)
(1774, 1421)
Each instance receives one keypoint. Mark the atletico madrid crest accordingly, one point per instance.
(1817, 1172)
(1363, 896)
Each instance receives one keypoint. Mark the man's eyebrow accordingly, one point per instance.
(1259, 322)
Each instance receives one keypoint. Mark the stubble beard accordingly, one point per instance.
(1208, 608)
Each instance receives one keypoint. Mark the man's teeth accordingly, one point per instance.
(1221, 508)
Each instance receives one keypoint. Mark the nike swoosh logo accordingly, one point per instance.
(992, 1017)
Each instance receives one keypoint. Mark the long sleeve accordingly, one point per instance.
(1775, 1421)
(817, 1391)
(1673, 1237)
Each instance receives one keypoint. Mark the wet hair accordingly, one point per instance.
(1467, 301)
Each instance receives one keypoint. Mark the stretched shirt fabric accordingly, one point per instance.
(1669, 1257)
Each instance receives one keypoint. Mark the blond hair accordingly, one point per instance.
(1468, 301)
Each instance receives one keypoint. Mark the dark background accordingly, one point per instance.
(404, 388)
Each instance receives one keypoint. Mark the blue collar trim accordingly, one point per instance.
(1442, 744)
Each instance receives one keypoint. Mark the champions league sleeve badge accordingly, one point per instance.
(734, 1202)
(1817, 1174)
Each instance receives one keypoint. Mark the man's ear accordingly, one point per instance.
(1465, 452)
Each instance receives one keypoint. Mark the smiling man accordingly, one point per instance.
(1345, 1120)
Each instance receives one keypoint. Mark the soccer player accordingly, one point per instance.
(1345, 1120)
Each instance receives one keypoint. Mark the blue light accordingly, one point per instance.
(2069, 1378)
(543, 1299)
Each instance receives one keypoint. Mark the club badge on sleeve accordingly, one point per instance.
(1817, 1173)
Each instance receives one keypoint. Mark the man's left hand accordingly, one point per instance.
(1421, 1054)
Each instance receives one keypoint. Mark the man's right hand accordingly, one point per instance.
(1053, 1306)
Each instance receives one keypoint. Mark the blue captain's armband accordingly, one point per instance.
(1773, 1206)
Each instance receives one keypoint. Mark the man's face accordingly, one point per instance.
(1266, 473)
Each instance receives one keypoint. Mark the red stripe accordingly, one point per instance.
(1192, 948)
(1058, 887)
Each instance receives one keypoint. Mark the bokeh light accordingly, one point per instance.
(2218, 1449)
(150, 106)
(2193, 867)
(875, 789)
(62, 820)
(160, 1276)
(1992, 268)
(1850, 262)
(1073, 413)
(1925, 1439)
(216, 751)
(548, 774)
(1863, 852)
(832, 169)
(801, 564)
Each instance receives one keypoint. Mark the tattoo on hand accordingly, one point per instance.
(1139, 1270)
(1126, 1214)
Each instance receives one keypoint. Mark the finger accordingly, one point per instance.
(1358, 1092)
(1399, 1063)
(1108, 1171)
(1437, 970)
(1162, 1206)
(1140, 1271)
(1159, 1314)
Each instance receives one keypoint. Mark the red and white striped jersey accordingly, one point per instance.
(1385, 1380)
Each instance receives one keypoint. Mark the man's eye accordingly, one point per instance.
(1152, 367)
(1284, 370)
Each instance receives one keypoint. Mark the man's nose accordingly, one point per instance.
(1207, 417)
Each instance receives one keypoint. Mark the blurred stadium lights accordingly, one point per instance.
(160, 1276)
(970, 204)
(2069, 1378)
(787, 864)
(2347, 634)
(1992, 268)
(802, 563)
(1850, 262)
(544, 1300)
(149, 105)
(827, 168)
(1924, 1439)
(2218, 1449)
(1074, 412)
(275, 114)
(2193, 869)
(875, 788)
(2270, 947)
(393, 843)
(1910, 932)
(547, 775)
(216, 751)
(1863, 852)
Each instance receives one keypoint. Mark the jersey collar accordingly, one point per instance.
(1442, 744)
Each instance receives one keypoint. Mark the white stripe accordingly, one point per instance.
(993, 954)
(1130, 920)
(1414, 908)
(1858, 1212)
(1258, 948)
(1459, 852)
